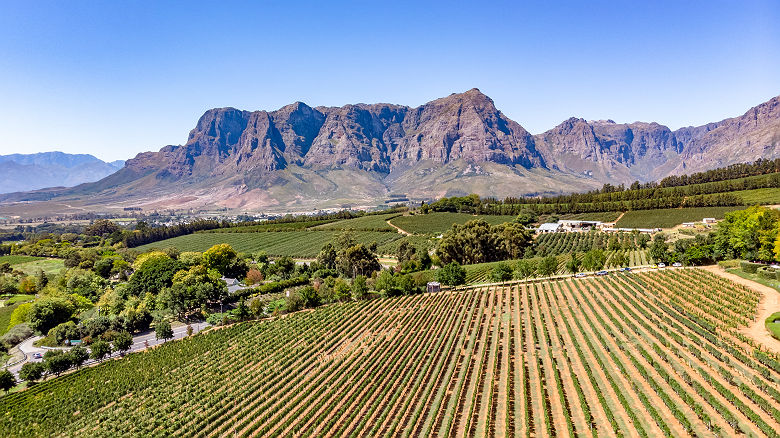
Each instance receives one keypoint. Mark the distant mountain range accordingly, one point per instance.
(300, 157)
(24, 172)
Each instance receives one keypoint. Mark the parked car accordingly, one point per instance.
(626, 269)
(677, 264)
(662, 265)
(580, 275)
(37, 356)
(602, 273)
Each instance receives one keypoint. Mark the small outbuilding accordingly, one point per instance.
(433, 286)
(549, 228)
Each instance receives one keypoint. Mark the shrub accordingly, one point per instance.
(766, 272)
(749, 267)
(16, 335)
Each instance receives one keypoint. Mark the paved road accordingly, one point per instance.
(140, 342)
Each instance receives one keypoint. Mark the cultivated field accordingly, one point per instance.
(669, 217)
(435, 223)
(645, 354)
(293, 243)
(374, 222)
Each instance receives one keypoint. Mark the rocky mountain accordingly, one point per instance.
(300, 157)
(19, 172)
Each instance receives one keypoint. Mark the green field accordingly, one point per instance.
(5, 317)
(374, 222)
(421, 242)
(269, 227)
(667, 218)
(303, 244)
(436, 223)
(18, 298)
(759, 196)
(604, 216)
(18, 259)
(49, 266)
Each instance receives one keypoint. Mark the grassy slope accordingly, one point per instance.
(5, 317)
(18, 259)
(666, 218)
(49, 266)
(435, 223)
(759, 196)
(304, 244)
(370, 222)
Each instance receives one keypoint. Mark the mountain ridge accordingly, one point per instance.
(457, 144)
(51, 169)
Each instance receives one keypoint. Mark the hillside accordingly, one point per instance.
(299, 157)
(19, 172)
(619, 355)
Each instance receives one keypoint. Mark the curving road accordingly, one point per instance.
(140, 342)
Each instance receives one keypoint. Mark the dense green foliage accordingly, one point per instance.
(477, 241)
(751, 234)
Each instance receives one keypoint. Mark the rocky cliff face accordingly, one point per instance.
(454, 145)
(376, 138)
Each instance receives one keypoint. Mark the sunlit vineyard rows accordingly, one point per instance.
(480, 273)
(642, 354)
(294, 243)
(566, 243)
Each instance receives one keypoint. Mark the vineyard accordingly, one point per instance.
(480, 273)
(294, 244)
(374, 222)
(645, 354)
(670, 217)
(436, 223)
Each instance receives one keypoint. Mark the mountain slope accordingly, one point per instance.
(20, 172)
(299, 157)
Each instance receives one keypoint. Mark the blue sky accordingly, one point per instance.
(117, 78)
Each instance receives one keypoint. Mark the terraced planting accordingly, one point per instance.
(295, 244)
(645, 354)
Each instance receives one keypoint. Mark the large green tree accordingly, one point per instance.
(192, 289)
(749, 234)
(48, 312)
(153, 272)
(478, 242)
(594, 260)
(224, 259)
(7, 380)
(452, 274)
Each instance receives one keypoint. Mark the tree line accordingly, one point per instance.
(704, 189)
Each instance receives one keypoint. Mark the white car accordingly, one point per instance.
(677, 264)
(580, 275)
(662, 265)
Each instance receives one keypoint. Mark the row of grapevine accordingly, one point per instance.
(646, 354)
